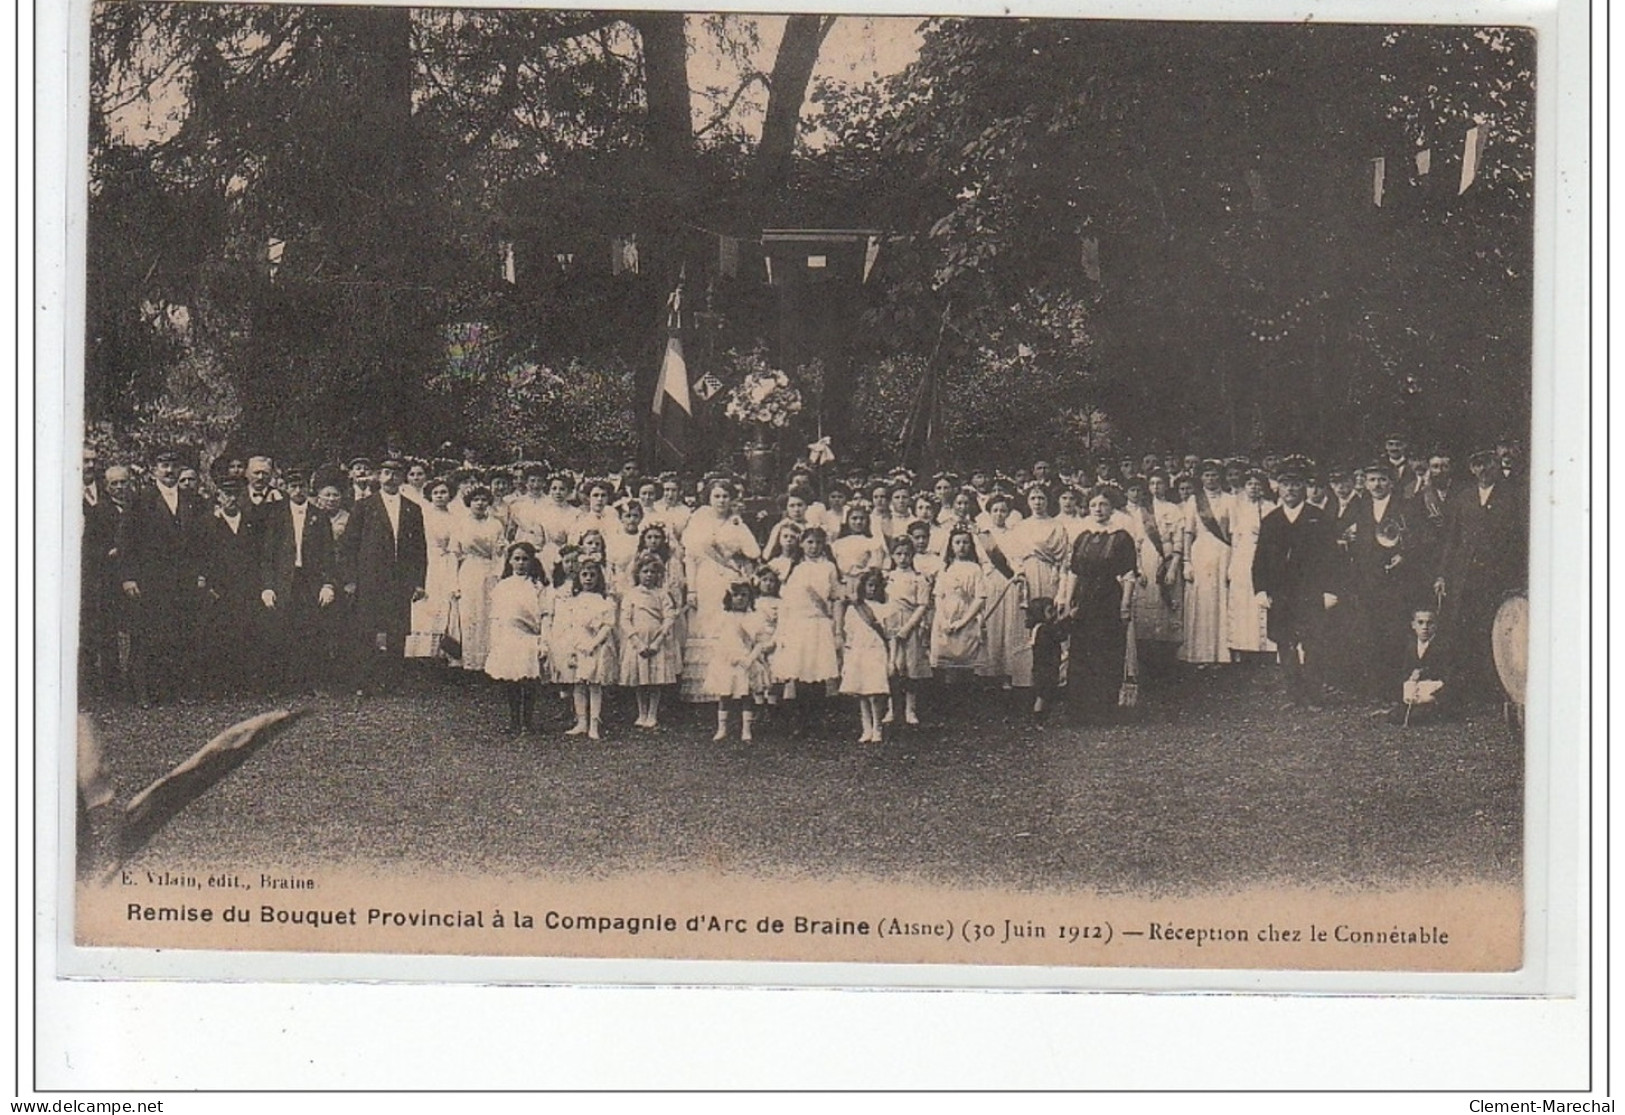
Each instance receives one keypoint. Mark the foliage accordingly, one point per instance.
(580, 412)
(388, 151)
(1249, 290)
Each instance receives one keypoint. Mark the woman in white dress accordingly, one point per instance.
(1159, 623)
(1006, 617)
(1207, 523)
(718, 550)
(1044, 548)
(1248, 622)
(432, 614)
(553, 521)
(479, 542)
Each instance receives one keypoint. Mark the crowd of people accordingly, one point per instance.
(1073, 584)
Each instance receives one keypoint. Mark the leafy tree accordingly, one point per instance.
(1250, 293)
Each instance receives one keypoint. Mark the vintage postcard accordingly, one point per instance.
(992, 501)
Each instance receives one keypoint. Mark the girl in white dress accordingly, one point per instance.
(807, 617)
(621, 545)
(742, 645)
(479, 542)
(865, 654)
(655, 541)
(909, 592)
(521, 604)
(584, 628)
(960, 598)
(647, 619)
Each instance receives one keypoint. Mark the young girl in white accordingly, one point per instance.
(865, 672)
(960, 599)
(789, 550)
(647, 618)
(586, 625)
(768, 583)
(856, 550)
(910, 595)
(742, 648)
(520, 606)
(812, 593)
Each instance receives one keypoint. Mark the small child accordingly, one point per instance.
(1046, 637)
(910, 596)
(738, 659)
(647, 618)
(865, 657)
(763, 688)
(587, 620)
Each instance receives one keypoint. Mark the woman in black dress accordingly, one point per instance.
(1099, 591)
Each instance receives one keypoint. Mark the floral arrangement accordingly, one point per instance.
(765, 396)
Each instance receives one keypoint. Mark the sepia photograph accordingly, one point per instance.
(952, 491)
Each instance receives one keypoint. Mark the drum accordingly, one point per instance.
(1509, 642)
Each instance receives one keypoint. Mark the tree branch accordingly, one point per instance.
(755, 77)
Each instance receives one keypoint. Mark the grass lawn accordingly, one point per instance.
(1213, 784)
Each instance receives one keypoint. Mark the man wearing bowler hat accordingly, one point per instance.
(1295, 580)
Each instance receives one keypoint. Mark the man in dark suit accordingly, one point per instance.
(158, 571)
(1385, 576)
(230, 649)
(1484, 554)
(1294, 576)
(98, 595)
(387, 558)
(298, 578)
(1339, 634)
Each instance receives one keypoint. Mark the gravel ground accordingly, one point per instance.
(1212, 784)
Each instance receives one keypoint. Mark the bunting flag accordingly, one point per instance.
(623, 255)
(674, 306)
(871, 252)
(508, 275)
(1255, 186)
(565, 260)
(672, 405)
(728, 256)
(1472, 153)
(1424, 162)
(1379, 170)
(1091, 258)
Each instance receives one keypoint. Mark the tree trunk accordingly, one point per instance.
(792, 71)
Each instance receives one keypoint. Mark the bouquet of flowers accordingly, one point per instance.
(765, 396)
